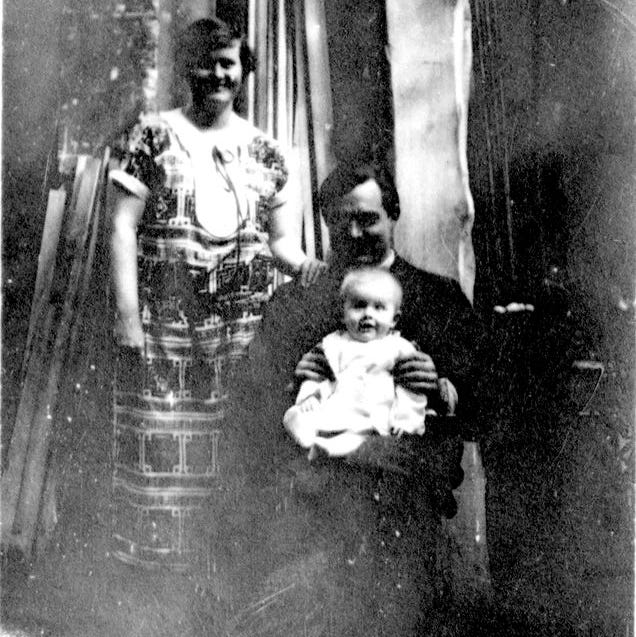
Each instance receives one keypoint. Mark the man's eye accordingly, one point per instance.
(367, 220)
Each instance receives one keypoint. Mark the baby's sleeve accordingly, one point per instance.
(403, 348)
(320, 389)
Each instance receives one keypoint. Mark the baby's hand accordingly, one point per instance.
(311, 403)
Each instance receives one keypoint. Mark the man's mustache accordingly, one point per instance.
(210, 83)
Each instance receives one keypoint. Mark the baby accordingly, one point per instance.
(336, 416)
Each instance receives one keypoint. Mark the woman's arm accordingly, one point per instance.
(285, 230)
(127, 211)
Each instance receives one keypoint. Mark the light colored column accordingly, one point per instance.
(430, 55)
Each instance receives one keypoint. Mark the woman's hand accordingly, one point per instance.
(129, 332)
(310, 271)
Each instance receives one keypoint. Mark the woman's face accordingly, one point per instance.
(216, 80)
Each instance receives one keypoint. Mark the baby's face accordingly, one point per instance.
(370, 311)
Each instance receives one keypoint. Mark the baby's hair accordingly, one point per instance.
(376, 275)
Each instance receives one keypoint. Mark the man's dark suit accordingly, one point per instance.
(382, 505)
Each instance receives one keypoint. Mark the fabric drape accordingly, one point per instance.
(430, 99)
(290, 97)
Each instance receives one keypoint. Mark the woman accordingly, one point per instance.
(197, 192)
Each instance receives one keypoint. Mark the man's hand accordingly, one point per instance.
(417, 374)
(314, 366)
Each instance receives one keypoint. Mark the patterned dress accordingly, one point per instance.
(204, 272)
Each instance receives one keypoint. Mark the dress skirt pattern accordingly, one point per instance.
(201, 296)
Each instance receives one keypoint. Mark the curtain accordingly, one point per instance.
(430, 85)
(289, 97)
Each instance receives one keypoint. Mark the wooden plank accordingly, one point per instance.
(39, 313)
(46, 262)
(31, 388)
(22, 531)
(34, 378)
(80, 318)
(83, 328)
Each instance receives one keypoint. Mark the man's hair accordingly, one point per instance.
(210, 34)
(344, 178)
(377, 276)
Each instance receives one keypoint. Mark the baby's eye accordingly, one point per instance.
(380, 306)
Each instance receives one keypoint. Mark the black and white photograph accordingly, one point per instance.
(318, 318)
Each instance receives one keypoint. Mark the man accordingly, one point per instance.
(378, 509)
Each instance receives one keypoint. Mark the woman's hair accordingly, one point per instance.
(210, 34)
(378, 277)
(344, 178)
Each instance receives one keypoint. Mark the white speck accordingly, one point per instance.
(114, 73)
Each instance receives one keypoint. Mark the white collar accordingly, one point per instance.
(388, 262)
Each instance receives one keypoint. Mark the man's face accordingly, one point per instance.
(217, 80)
(360, 230)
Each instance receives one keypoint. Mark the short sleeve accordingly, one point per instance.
(140, 173)
(273, 171)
